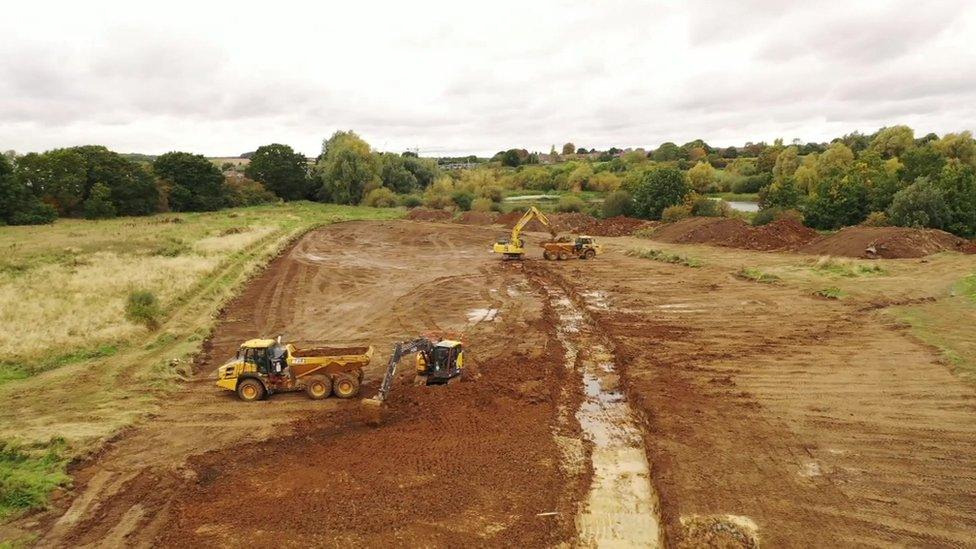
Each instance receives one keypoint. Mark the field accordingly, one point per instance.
(662, 394)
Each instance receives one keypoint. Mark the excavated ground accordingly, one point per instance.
(765, 416)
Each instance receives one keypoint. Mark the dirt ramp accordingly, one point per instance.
(887, 242)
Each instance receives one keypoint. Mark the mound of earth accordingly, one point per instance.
(778, 235)
(784, 234)
(886, 242)
(424, 214)
(477, 218)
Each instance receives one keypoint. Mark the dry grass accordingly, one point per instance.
(65, 285)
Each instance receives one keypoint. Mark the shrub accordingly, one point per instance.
(380, 198)
(171, 247)
(707, 207)
(411, 200)
(657, 189)
(603, 181)
(701, 177)
(463, 199)
(676, 213)
(751, 183)
(142, 307)
(242, 191)
(481, 204)
(877, 219)
(570, 203)
(617, 203)
(768, 215)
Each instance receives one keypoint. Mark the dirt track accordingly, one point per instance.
(813, 421)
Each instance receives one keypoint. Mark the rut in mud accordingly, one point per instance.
(621, 507)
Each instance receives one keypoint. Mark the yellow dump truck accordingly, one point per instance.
(263, 367)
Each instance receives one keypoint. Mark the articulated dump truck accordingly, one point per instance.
(263, 367)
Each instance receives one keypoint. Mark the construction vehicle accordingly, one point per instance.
(438, 361)
(263, 367)
(514, 247)
(582, 247)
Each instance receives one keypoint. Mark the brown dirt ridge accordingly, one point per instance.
(789, 235)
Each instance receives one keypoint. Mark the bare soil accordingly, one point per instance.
(887, 242)
(766, 416)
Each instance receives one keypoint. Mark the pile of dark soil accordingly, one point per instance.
(720, 231)
(886, 242)
(424, 214)
(779, 235)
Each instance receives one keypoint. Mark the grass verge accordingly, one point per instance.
(754, 274)
(29, 474)
(664, 257)
(847, 268)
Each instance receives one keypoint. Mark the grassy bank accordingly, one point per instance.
(75, 369)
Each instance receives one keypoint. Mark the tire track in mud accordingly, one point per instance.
(621, 508)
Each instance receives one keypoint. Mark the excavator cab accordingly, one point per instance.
(445, 361)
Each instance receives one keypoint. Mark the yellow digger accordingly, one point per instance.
(514, 247)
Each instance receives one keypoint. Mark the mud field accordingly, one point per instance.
(612, 402)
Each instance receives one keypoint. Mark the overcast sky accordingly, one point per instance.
(466, 77)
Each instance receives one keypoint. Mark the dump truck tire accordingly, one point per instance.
(548, 255)
(563, 256)
(589, 254)
(318, 387)
(250, 390)
(345, 386)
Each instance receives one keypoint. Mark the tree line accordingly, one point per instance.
(889, 177)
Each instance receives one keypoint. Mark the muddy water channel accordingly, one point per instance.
(621, 508)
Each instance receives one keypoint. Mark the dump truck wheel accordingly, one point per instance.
(318, 387)
(548, 255)
(345, 386)
(589, 254)
(250, 390)
(562, 256)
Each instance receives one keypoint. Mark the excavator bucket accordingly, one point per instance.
(373, 410)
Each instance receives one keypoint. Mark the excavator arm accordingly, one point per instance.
(529, 214)
(400, 350)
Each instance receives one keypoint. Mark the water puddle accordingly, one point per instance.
(482, 315)
(596, 299)
(621, 507)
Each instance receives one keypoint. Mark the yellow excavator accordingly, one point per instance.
(514, 247)
(439, 361)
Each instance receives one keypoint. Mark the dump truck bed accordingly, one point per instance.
(328, 360)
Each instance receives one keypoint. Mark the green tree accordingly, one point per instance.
(667, 152)
(423, 169)
(281, 170)
(569, 148)
(18, 205)
(845, 202)
(958, 146)
(196, 183)
(58, 177)
(922, 161)
(99, 204)
(787, 162)
(767, 158)
(833, 164)
(659, 188)
(395, 175)
(347, 169)
(701, 177)
(617, 203)
(133, 187)
(511, 158)
(958, 182)
(893, 141)
(921, 204)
